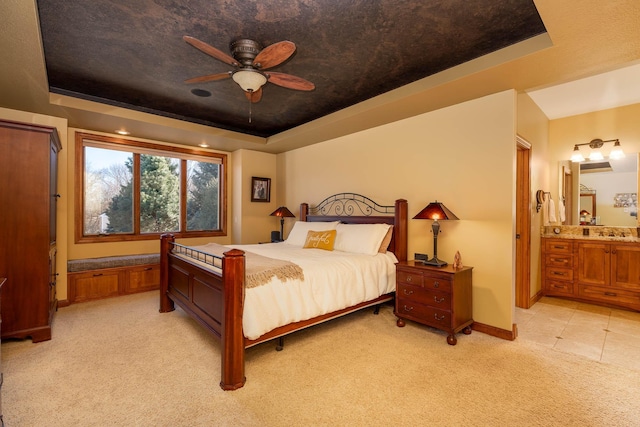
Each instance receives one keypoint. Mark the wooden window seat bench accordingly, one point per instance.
(96, 278)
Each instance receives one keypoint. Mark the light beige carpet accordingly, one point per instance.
(118, 362)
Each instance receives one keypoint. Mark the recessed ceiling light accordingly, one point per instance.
(122, 132)
(201, 92)
(203, 145)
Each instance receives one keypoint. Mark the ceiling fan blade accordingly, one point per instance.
(254, 96)
(209, 78)
(289, 81)
(210, 50)
(274, 54)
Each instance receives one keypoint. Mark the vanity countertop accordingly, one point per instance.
(596, 233)
(629, 239)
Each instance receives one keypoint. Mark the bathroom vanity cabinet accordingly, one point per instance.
(606, 272)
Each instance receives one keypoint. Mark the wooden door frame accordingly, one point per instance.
(523, 224)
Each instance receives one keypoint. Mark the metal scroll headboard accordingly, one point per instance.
(349, 204)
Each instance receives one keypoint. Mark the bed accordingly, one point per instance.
(217, 286)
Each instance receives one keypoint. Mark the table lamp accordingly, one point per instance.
(283, 213)
(435, 211)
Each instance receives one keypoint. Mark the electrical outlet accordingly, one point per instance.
(420, 257)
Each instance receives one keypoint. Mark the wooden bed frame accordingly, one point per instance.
(216, 300)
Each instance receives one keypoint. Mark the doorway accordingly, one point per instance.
(567, 194)
(523, 224)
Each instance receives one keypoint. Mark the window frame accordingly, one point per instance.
(167, 150)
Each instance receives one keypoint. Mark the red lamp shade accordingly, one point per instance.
(435, 210)
(283, 213)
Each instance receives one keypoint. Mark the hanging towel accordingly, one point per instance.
(561, 211)
(552, 210)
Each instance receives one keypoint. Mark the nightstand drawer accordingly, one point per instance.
(424, 314)
(411, 278)
(428, 297)
(437, 283)
(426, 281)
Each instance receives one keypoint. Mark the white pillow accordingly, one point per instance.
(360, 238)
(298, 234)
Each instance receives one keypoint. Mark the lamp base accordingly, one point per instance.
(436, 262)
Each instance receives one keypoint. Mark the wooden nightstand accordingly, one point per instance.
(439, 297)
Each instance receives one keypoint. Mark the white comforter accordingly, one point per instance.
(332, 280)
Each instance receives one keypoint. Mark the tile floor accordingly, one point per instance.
(605, 334)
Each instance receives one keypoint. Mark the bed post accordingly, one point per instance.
(166, 303)
(304, 211)
(232, 335)
(401, 224)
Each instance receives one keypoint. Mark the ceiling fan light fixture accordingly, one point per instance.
(249, 80)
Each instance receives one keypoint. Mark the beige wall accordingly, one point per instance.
(251, 220)
(622, 123)
(463, 156)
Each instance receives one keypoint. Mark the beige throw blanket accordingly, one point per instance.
(258, 269)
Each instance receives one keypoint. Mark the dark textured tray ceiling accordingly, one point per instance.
(131, 53)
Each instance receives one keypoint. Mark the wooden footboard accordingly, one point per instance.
(216, 299)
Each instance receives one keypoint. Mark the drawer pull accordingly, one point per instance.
(408, 278)
(436, 284)
(559, 273)
(407, 308)
(438, 300)
(407, 291)
(611, 294)
(439, 319)
(559, 247)
(97, 274)
(148, 269)
(562, 260)
(558, 287)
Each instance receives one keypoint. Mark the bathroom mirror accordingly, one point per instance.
(608, 191)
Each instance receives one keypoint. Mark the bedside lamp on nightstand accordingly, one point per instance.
(435, 211)
(283, 213)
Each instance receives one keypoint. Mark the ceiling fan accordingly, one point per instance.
(250, 61)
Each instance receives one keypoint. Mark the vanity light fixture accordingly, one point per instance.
(596, 154)
(616, 153)
(435, 211)
(577, 155)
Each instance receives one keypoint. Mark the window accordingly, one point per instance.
(132, 190)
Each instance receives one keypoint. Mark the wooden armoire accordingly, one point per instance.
(28, 196)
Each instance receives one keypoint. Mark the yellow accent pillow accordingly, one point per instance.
(320, 240)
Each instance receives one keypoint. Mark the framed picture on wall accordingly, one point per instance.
(260, 189)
